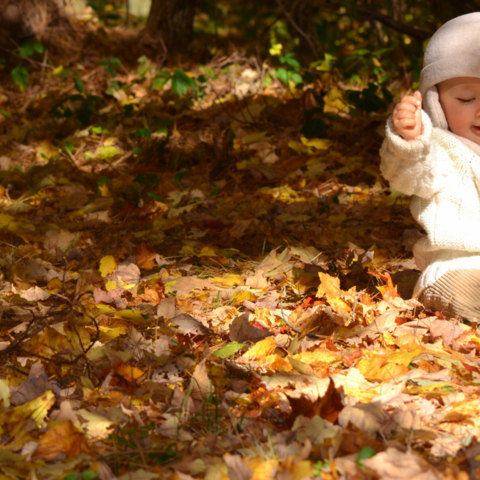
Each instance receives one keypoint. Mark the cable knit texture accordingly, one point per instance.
(443, 175)
(441, 170)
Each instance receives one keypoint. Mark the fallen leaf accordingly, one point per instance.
(189, 325)
(62, 437)
(107, 265)
(237, 470)
(241, 331)
(396, 465)
(146, 256)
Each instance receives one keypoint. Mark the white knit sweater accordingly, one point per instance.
(443, 175)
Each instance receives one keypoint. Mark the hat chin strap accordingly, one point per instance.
(431, 104)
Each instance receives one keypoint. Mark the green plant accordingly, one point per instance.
(181, 82)
(80, 106)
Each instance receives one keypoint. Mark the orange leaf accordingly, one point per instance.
(146, 256)
(130, 374)
(63, 437)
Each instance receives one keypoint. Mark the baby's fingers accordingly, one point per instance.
(416, 100)
(405, 122)
(405, 107)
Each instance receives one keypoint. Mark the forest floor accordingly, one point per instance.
(191, 288)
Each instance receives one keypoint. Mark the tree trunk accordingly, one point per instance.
(172, 22)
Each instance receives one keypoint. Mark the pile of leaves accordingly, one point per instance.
(203, 275)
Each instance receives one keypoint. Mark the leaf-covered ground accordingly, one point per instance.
(191, 288)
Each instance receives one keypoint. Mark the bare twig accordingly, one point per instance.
(393, 24)
(297, 28)
(284, 319)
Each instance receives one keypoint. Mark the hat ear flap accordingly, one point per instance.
(431, 105)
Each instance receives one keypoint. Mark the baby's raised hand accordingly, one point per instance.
(407, 116)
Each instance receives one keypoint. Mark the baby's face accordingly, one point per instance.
(460, 100)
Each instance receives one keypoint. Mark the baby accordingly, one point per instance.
(434, 155)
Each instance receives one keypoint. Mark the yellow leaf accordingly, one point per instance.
(364, 396)
(8, 222)
(104, 191)
(297, 147)
(336, 220)
(334, 102)
(301, 367)
(329, 286)
(188, 250)
(228, 280)
(58, 71)
(5, 393)
(112, 331)
(133, 315)
(404, 358)
(318, 357)
(207, 252)
(110, 285)
(261, 349)
(36, 409)
(284, 193)
(45, 149)
(389, 339)
(302, 470)
(376, 368)
(278, 364)
(107, 265)
(264, 470)
(276, 49)
(240, 297)
(255, 138)
(318, 143)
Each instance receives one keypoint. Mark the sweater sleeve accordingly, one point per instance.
(414, 167)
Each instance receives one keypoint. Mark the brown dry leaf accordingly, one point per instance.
(237, 470)
(62, 438)
(396, 465)
(146, 256)
(318, 431)
(35, 386)
(200, 383)
(60, 239)
(257, 281)
(241, 331)
(368, 417)
(445, 329)
(166, 308)
(327, 406)
(188, 325)
(186, 285)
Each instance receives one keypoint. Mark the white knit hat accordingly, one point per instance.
(453, 51)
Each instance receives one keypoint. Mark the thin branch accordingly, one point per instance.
(297, 28)
(393, 24)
